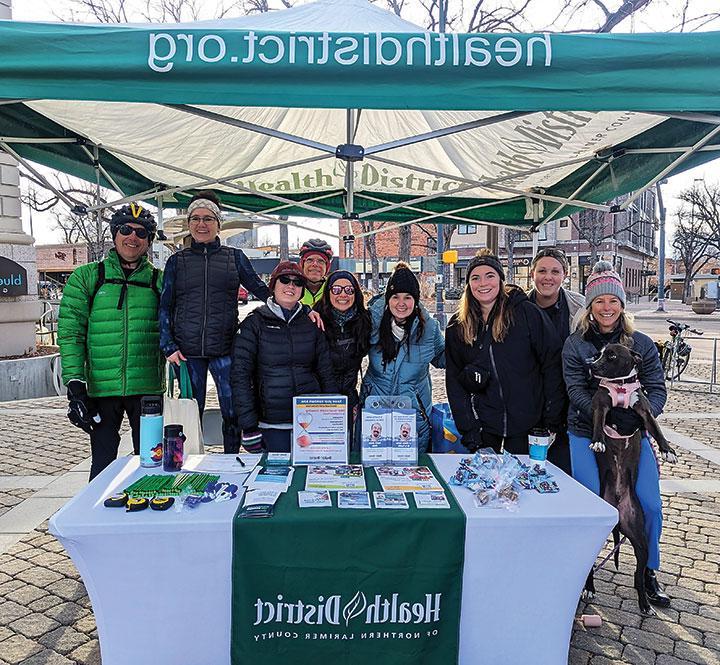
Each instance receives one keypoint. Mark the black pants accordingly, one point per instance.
(105, 437)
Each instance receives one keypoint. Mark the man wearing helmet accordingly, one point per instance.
(109, 336)
(315, 258)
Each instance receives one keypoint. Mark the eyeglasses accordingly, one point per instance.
(337, 290)
(140, 232)
(285, 279)
(315, 261)
(207, 219)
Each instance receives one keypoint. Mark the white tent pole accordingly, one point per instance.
(258, 129)
(23, 139)
(102, 170)
(445, 131)
(98, 207)
(664, 151)
(672, 166)
(582, 186)
(686, 115)
(349, 170)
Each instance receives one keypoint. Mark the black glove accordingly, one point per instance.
(82, 411)
(474, 379)
(625, 421)
(472, 441)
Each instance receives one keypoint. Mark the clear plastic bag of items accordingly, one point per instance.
(492, 478)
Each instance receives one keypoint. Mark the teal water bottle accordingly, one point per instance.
(151, 431)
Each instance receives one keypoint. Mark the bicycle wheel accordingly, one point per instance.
(682, 363)
(668, 362)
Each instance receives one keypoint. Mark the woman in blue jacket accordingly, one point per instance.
(404, 342)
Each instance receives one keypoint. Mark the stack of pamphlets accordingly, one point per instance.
(260, 502)
(334, 477)
(407, 478)
(271, 477)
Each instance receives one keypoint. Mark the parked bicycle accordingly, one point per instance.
(675, 352)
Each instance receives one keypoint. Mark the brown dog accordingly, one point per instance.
(618, 455)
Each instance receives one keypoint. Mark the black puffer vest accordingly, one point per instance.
(206, 309)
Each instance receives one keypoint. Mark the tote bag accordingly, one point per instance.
(183, 410)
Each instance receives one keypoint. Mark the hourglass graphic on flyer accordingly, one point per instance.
(304, 419)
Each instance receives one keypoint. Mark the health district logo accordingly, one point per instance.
(334, 611)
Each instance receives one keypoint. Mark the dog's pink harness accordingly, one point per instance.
(620, 389)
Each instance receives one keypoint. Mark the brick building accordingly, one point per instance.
(355, 257)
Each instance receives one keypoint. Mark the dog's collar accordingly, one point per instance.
(629, 378)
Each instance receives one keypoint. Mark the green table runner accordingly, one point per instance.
(331, 586)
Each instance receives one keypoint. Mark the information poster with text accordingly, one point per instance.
(320, 434)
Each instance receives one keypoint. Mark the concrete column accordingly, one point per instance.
(17, 314)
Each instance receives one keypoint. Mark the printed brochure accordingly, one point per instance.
(353, 499)
(314, 499)
(335, 477)
(407, 478)
(431, 500)
(392, 500)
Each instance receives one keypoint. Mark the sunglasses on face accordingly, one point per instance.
(126, 230)
(207, 219)
(285, 279)
(337, 290)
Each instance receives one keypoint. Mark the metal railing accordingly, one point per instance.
(46, 325)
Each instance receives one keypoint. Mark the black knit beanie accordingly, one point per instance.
(403, 281)
(489, 260)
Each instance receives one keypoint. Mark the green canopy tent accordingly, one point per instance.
(338, 107)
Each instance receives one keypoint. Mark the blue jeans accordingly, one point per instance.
(220, 371)
(647, 487)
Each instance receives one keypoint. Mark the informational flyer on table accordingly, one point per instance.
(335, 477)
(407, 479)
(320, 429)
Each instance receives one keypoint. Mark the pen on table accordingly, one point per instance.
(239, 459)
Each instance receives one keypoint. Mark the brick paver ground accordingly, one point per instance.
(46, 616)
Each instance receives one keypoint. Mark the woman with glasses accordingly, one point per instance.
(278, 354)
(404, 342)
(199, 308)
(504, 372)
(347, 329)
(549, 270)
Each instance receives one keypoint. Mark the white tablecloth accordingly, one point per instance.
(160, 582)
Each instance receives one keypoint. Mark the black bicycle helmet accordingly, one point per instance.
(318, 246)
(133, 213)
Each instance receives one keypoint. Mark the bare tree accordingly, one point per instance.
(153, 11)
(697, 236)
(371, 249)
(405, 243)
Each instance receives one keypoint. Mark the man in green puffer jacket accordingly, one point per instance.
(109, 336)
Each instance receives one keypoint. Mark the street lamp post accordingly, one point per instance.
(661, 253)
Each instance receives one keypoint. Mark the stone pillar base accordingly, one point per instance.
(17, 327)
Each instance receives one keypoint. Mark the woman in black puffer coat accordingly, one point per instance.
(347, 329)
(279, 353)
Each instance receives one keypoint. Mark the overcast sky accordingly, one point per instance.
(657, 18)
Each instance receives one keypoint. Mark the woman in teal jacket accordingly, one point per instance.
(404, 342)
